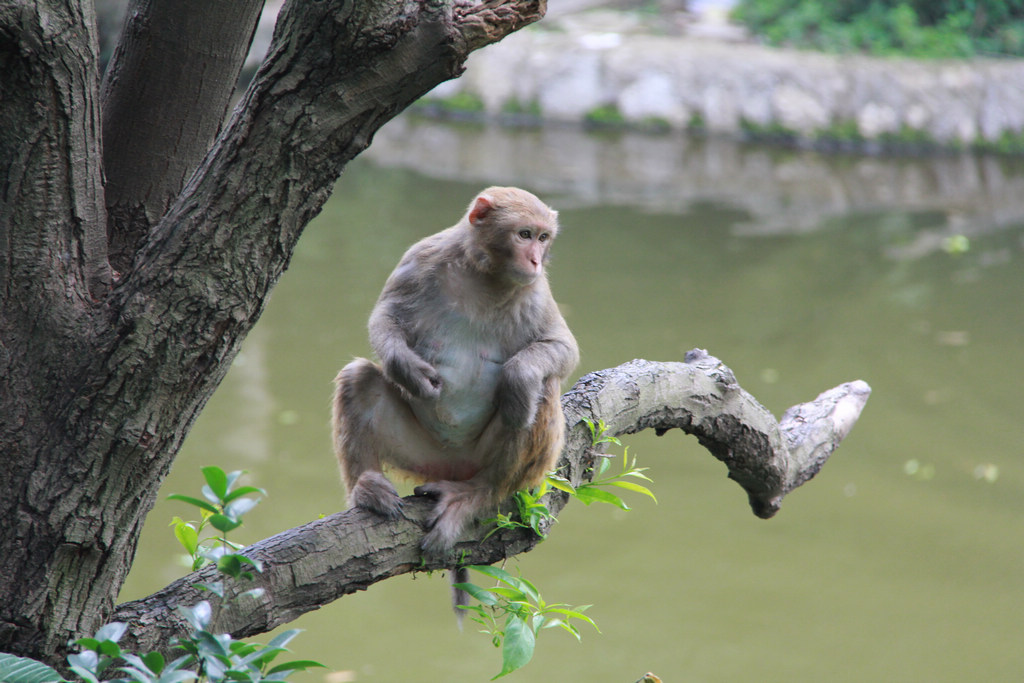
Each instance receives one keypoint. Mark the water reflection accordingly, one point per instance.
(901, 561)
(783, 191)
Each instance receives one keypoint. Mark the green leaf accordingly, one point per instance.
(87, 643)
(193, 501)
(255, 564)
(560, 483)
(84, 664)
(591, 494)
(240, 648)
(282, 639)
(108, 648)
(210, 495)
(520, 641)
(217, 481)
(215, 587)
(14, 669)
(632, 486)
(482, 595)
(297, 665)
(112, 631)
(187, 536)
(243, 491)
(177, 676)
(512, 594)
(527, 587)
(575, 632)
(229, 564)
(211, 645)
(139, 667)
(137, 675)
(224, 523)
(254, 593)
(198, 616)
(496, 573)
(84, 674)
(237, 508)
(577, 613)
(231, 479)
(154, 661)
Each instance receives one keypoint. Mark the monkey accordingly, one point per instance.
(472, 352)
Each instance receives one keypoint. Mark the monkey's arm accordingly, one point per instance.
(390, 341)
(523, 375)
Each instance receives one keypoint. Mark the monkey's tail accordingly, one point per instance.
(459, 596)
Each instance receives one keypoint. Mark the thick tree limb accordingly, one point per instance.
(164, 99)
(314, 564)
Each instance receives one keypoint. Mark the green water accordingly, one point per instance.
(902, 561)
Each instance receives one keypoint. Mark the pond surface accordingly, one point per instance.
(902, 561)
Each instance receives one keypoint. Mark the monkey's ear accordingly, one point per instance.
(482, 206)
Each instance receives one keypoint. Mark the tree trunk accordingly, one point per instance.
(103, 377)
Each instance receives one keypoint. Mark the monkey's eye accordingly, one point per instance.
(525, 234)
(544, 237)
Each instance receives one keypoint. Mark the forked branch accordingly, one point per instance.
(314, 564)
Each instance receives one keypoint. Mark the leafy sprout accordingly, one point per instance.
(512, 612)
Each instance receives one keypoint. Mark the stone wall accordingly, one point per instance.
(579, 72)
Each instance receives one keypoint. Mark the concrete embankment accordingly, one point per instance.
(586, 71)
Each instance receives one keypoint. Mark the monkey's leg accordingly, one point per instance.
(458, 504)
(373, 426)
(509, 459)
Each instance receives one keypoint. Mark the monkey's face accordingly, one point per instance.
(514, 230)
(528, 252)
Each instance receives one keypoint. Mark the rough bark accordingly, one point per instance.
(103, 378)
(164, 99)
(312, 565)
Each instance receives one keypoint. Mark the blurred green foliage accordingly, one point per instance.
(914, 28)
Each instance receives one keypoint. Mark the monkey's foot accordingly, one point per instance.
(373, 491)
(457, 505)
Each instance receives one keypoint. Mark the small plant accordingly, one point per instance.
(595, 491)
(208, 657)
(607, 115)
(222, 509)
(843, 132)
(534, 514)
(513, 612)
(771, 131)
(909, 137)
(514, 107)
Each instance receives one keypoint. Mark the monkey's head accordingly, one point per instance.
(512, 231)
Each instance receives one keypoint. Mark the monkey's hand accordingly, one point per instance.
(373, 491)
(414, 374)
(518, 395)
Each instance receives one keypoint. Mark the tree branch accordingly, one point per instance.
(314, 564)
